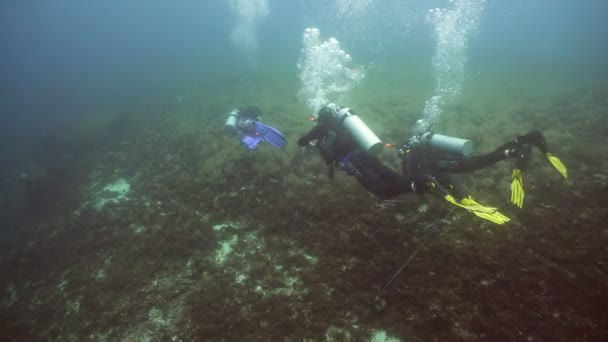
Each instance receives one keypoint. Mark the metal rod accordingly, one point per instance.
(422, 243)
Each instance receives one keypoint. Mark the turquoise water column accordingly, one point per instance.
(452, 29)
(327, 72)
(247, 14)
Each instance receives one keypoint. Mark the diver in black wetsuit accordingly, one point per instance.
(436, 158)
(429, 160)
(340, 150)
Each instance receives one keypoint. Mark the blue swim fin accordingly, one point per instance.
(250, 141)
(272, 135)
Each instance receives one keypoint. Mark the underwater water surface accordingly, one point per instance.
(129, 213)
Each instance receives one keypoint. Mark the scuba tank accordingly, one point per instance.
(444, 143)
(363, 135)
(232, 119)
(437, 143)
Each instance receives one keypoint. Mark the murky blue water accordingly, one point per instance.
(129, 98)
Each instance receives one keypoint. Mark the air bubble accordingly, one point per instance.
(452, 40)
(326, 71)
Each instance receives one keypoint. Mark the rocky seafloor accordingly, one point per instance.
(166, 229)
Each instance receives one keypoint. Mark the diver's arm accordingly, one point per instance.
(315, 133)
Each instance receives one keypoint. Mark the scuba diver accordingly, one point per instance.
(437, 157)
(245, 122)
(428, 160)
(347, 144)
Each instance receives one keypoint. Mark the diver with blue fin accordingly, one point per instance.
(245, 122)
(437, 157)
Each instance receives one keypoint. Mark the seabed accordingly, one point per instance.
(168, 230)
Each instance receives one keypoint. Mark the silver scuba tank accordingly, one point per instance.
(232, 119)
(363, 135)
(440, 142)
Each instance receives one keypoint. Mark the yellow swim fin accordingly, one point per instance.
(466, 203)
(557, 164)
(479, 210)
(517, 187)
(469, 204)
(495, 217)
(492, 215)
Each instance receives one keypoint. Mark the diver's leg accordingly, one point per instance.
(523, 159)
(453, 184)
(457, 186)
(510, 149)
(378, 178)
(469, 164)
(535, 138)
